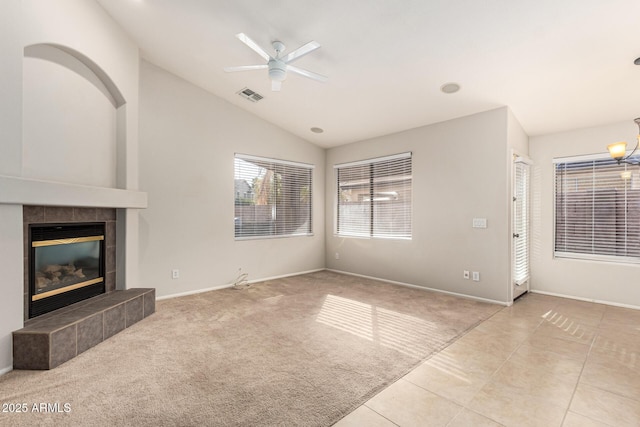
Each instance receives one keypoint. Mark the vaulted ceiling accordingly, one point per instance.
(558, 64)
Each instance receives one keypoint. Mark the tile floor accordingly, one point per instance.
(545, 361)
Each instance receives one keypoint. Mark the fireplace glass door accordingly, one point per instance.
(67, 265)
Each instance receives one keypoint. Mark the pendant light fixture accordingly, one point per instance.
(618, 150)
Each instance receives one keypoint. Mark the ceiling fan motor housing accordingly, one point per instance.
(278, 46)
(277, 70)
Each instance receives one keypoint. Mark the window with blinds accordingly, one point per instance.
(597, 209)
(374, 197)
(272, 197)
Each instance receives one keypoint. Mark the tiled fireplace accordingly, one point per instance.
(52, 337)
(43, 215)
(47, 340)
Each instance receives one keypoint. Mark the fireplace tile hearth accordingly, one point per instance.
(134, 311)
(114, 321)
(54, 338)
(31, 350)
(149, 306)
(90, 332)
(63, 345)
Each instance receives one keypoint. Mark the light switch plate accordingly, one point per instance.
(479, 222)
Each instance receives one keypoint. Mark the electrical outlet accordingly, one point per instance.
(337, 255)
(175, 273)
(465, 274)
(476, 276)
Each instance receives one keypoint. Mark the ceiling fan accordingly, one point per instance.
(279, 65)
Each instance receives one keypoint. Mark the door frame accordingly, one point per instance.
(518, 158)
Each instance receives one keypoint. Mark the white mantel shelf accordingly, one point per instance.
(24, 191)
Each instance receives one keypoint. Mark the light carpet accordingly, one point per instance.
(303, 350)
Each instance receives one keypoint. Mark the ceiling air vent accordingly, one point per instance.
(250, 95)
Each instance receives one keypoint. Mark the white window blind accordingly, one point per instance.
(272, 197)
(597, 210)
(374, 197)
(521, 223)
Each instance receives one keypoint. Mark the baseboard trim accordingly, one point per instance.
(197, 291)
(216, 288)
(424, 288)
(6, 370)
(597, 301)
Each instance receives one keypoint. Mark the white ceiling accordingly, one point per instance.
(558, 64)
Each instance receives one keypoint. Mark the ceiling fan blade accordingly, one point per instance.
(245, 68)
(301, 51)
(253, 45)
(307, 73)
(276, 85)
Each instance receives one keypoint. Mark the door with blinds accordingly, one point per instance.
(520, 226)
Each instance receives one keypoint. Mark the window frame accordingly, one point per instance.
(302, 168)
(373, 234)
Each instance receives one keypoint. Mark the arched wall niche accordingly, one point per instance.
(73, 118)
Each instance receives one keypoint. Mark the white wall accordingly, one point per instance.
(188, 138)
(67, 121)
(460, 172)
(600, 281)
(10, 88)
(11, 303)
(84, 27)
(517, 139)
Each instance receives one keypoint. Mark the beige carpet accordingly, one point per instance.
(304, 350)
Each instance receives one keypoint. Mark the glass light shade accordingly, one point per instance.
(617, 150)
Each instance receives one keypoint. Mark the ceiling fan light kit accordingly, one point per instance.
(277, 70)
(277, 65)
